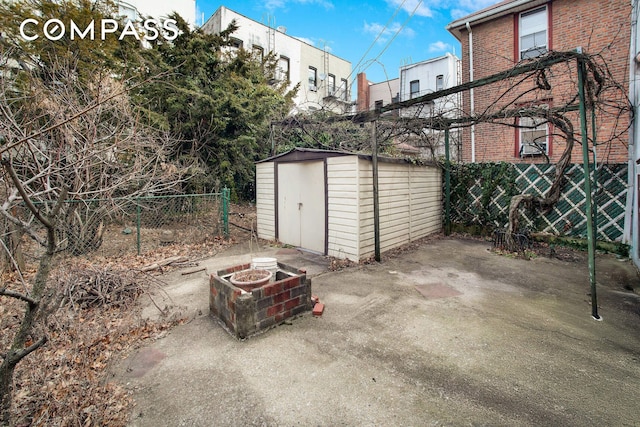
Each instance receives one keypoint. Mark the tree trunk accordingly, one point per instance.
(555, 191)
(18, 350)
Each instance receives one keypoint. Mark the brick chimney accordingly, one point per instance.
(363, 92)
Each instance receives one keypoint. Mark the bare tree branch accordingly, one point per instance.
(18, 295)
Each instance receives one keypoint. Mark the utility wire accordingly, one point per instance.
(404, 24)
(378, 37)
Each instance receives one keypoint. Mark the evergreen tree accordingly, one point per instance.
(218, 101)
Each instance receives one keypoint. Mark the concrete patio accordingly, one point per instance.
(447, 333)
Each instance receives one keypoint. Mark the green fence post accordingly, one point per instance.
(138, 220)
(587, 188)
(447, 184)
(376, 200)
(595, 174)
(225, 211)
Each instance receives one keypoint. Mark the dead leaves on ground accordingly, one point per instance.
(65, 383)
(90, 326)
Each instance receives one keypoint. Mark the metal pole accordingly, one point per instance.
(273, 140)
(447, 184)
(595, 174)
(225, 211)
(587, 190)
(376, 202)
(138, 217)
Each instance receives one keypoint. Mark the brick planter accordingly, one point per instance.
(247, 313)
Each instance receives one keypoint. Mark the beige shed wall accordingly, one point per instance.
(410, 205)
(410, 200)
(343, 209)
(265, 201)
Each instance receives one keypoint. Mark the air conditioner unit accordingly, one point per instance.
(530, 149)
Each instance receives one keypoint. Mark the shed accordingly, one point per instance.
(322, 201)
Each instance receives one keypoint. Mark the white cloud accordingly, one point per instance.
(421, 9)
(280, 4)
(439, 46)
(474, 5)
(388, 32)
(459, 13)
(306, 40)
(274, 4)
(465, 7)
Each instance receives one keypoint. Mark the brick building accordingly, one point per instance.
(515, 32)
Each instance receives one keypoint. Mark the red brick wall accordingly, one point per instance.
(362, 102)
(246, 313)
(596, 26)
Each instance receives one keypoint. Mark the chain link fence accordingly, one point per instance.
(189, 219)
(117, 227)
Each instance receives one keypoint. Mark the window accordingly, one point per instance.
(378, 105)
(283, 69)
(344, 89)
(313, 78)
(439, 82)
(258, 52)
(414, 88)
(234, 42)
(127, 11)
(533, 33)
(331, 85)
(534, 136)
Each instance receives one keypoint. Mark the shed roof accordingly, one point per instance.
(299, 154)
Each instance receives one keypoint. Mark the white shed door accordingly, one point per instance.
(301, 210)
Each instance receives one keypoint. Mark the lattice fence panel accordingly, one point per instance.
(567, 216)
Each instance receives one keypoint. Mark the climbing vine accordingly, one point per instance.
(480, 192)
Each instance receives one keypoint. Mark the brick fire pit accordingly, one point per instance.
(247, 313)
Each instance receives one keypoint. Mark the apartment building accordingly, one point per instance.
(429, 76)
(418, 79)
(323, 77)
(415, 80)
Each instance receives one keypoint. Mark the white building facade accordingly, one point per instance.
(430, 76)
(419, 79)
(323, 77)
(138, 9)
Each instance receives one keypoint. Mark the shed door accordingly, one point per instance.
(301, 205)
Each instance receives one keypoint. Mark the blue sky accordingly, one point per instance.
(378, 35)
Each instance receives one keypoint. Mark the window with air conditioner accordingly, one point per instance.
(534, 136)
(533, 32)
(439, 82)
